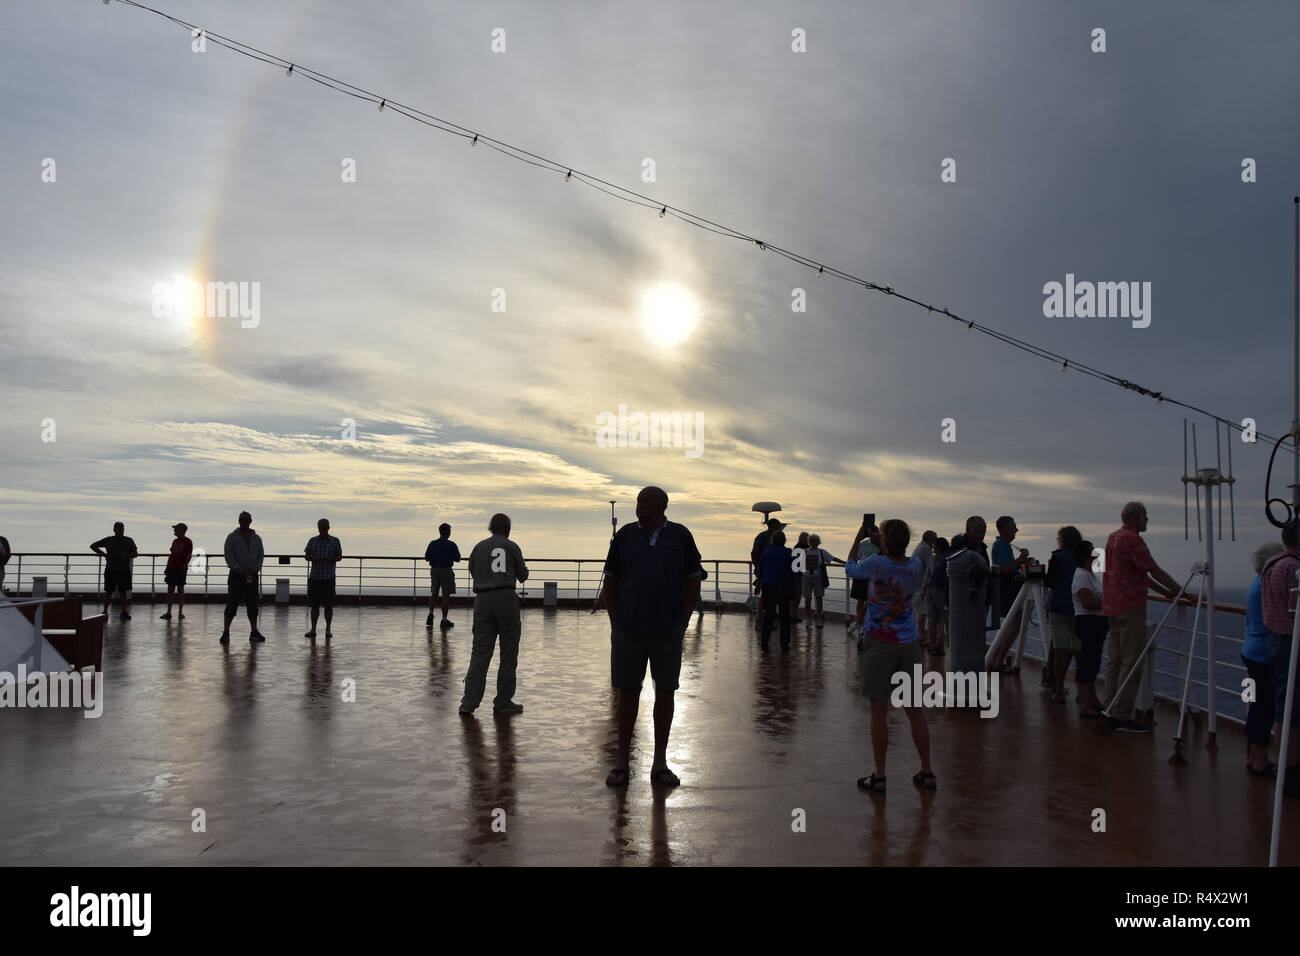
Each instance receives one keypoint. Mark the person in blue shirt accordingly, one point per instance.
(441, 554)
(1008, 564)
(1060, 609)
(777, 574)
(1254, 654)
(891, 646)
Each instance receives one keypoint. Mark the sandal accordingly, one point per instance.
(926, 780)
(665, 777)
(873, 783)
(617, 777)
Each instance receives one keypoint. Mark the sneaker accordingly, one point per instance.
(1130, 727)
(257, 637)
(465, 713)
(510, 708)
(225, 637)
(167, 616)
(181, 615)
(446, 623)
(428, 621)
(125, 616)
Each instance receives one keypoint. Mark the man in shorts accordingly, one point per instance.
(117, 550)
(178, 563)
(652, 586)
(323, 552)
(244, 554)
(442, 554)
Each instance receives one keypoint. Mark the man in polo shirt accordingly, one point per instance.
(652, 586)
(1130, 573)
(441, 554)
(244, 554)
(1008, 587)
(495, 564)
(1277, 578)
(117, 551)
(323, 553)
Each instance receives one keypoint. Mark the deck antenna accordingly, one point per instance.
(1209, 478)
(1289, 707)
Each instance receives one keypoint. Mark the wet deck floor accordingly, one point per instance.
(288, 773)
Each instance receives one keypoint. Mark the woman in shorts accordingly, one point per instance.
(891, 646)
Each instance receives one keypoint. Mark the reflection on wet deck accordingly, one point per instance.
(287, 772)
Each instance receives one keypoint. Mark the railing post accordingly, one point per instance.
(415, 597)
(717, 588)
(577, 589)
(153, 573)
(360, 574)
(67, 561)
(18, 584)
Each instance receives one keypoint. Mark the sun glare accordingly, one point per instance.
(669, 314)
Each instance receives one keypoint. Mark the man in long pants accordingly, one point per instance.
(495, 564)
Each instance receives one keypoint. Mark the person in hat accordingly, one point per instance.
(178, 563)
(761, 542)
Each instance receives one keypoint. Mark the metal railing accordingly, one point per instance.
(390, 578)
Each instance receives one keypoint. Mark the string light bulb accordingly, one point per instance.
(289, 72)
(568, 175)
(381, 104)
(663, 212)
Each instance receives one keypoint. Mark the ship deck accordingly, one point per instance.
(287, 772)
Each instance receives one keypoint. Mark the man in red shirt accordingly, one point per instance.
(1130, 572)
(178, 563)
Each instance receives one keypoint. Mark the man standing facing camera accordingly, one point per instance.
(652, 585)
(244, 554)
(323, 552)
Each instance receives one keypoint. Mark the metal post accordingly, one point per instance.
(153, 566)
(360, 574)
(1282, 752)
(18, 584)
(577, 589)
(67, 561)
(717, 587)
(1210, 475)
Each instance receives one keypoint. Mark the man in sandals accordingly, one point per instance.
(652, 585)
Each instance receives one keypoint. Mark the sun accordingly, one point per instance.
(669, 314)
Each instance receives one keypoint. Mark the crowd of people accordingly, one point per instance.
(907, 606)
(907, 603)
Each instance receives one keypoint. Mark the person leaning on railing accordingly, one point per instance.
(1254, 654)
(1130, 573)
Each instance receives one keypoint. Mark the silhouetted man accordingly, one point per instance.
(117, 551)
(323, 552)
(442, 554)
(495, 564)
(244, 556)
(652, 586)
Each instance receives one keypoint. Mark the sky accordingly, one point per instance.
(474, 316)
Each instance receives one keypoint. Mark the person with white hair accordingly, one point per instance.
(1130, 573)
(1254, 654)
